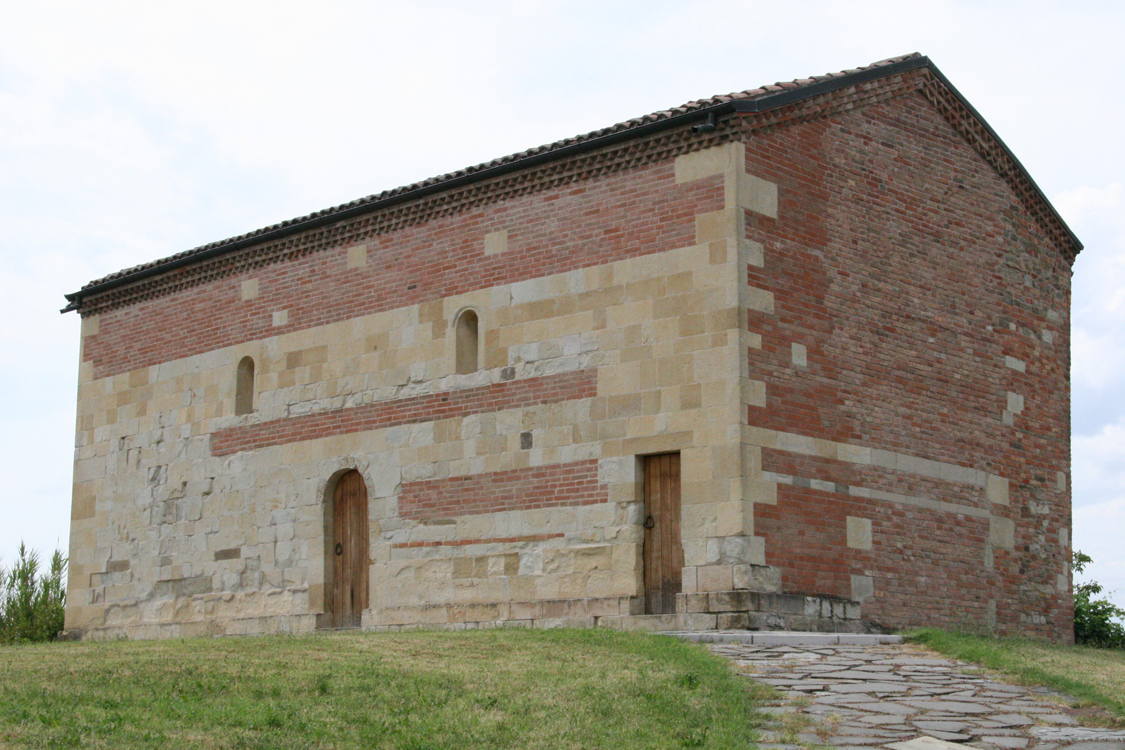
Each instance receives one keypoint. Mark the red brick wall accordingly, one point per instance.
(557, 485)
(427, 408)
(909, 270)
(624, 215)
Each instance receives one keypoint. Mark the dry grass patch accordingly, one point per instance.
(1094, 676)
(495, 689)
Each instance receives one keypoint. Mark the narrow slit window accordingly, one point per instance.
(468, 342)
(244, 387)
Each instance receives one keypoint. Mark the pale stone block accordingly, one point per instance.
(743, 550)
(787, 441)
(728, 517)
(91, 325)
(824, 448)
(751, 461)
(759, 436)
(726, 461)
(757, 299)
(1001, 532)
(695, 465)
(853, 454)
(753, 392)
(1064, 537)
(249, 289)
(280, 318)
(760, 491)
(718, 225)
(884, 459)
(710, 162)
(700, 552)
(996, 489)
(859, 533)
(1015, 403)
(496, 242)
(800, 355)
(751, 253)
(689, 582)
(962, 474)
(357, 256)
(715, 578)
(756, 577)
(1062, 582)
(1015, 364)
(1060, 481)
(757, 195)
(863, 587)
(622, 469)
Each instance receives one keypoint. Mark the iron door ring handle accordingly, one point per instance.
(339, 548)
(650, 522)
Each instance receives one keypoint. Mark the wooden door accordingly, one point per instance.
(663, 551)
(350, 551)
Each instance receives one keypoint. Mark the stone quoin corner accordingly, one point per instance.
(796, 357)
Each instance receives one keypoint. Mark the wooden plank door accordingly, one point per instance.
(663, 550)
(350, 551)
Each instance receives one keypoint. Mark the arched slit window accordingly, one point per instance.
(244, 387)
(468, 342)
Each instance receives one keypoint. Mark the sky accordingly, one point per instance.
(133, 130)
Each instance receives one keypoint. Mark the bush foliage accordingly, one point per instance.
(32, 604)
(1094, 623)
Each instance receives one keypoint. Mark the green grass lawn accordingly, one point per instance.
(475, 689)
(1096, 676)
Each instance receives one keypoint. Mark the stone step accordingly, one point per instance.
(784, 637)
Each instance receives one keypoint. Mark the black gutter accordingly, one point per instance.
(761, 104)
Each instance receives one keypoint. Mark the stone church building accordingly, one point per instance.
(796, 357)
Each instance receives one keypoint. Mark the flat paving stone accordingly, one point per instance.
(859, 674)
(894, 696)
(952, 707)
(941, 726)
(1011, 720)
(867, 687)
(1009, 742)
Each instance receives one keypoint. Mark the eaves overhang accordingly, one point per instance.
(693, 116)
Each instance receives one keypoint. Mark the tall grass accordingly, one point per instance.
(32, 604)
(517, 689)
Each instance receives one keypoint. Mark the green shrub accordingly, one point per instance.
(1094, 618)
(32, 605)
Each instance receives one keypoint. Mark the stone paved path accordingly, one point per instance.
(901, 697)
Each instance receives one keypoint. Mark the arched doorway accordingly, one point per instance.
(349, 551)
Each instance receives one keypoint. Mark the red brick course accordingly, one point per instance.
(412, 410)
(553, 486)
